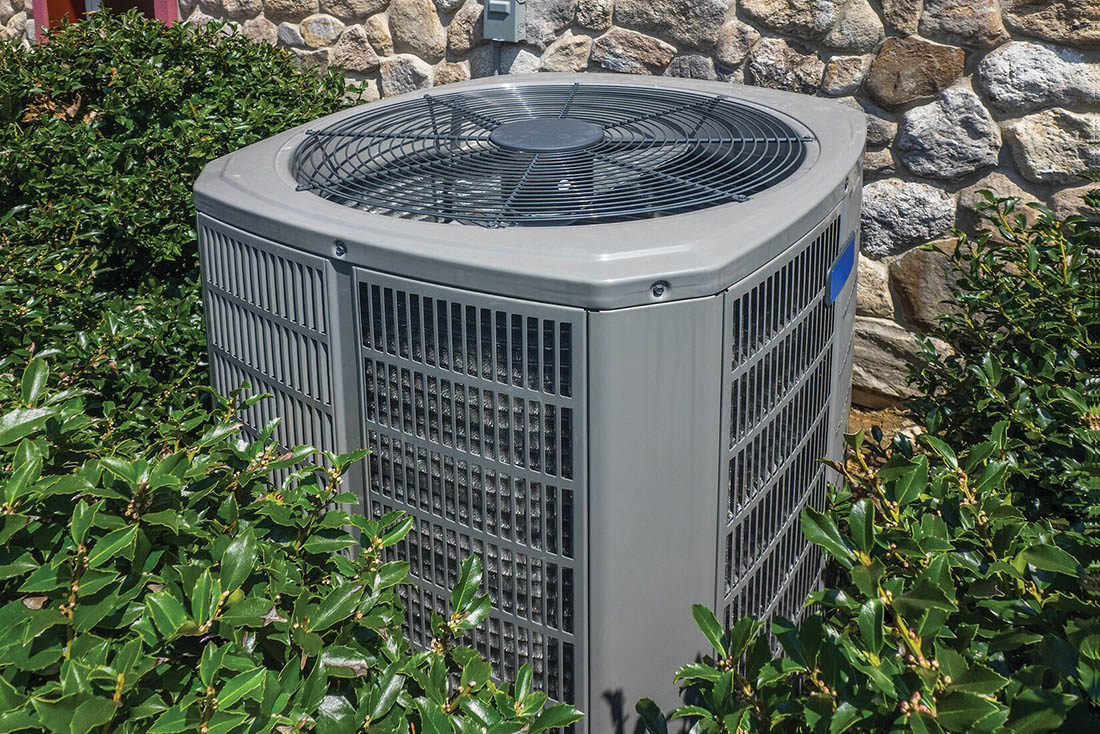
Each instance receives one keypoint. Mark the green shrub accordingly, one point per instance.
(177, 590)
(102, 133)
(1025, 349)
(954, 613)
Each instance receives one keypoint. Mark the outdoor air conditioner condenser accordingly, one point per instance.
(595, 329)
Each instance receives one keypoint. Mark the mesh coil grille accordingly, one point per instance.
(780, 347)
(549, 154)
(473, 417)
(267, 325)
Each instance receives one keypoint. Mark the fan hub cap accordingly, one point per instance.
(547, 135)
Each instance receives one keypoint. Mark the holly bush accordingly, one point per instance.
(176, 589)
(1025, 350)
(103, 130)
(953, 612)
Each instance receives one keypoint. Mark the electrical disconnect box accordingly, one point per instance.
(505, 20)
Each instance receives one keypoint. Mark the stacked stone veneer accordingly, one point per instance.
(960, 95)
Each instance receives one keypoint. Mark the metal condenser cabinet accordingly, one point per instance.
(595, 329)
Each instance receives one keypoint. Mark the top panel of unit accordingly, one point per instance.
(561, 154)
(631, 181)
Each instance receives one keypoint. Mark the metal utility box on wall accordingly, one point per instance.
(596, 329)
(505, 20)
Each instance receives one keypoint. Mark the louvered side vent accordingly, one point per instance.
(779, 343)
(474, 412)
(267, 323)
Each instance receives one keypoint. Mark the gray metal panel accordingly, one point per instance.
(845, 322)
(655, 375)
(270, 323)
(476, 416)
(778, 420)
(596, 266)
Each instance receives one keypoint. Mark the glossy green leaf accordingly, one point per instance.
(871, 620)
(34, 381)
(117, 543)
(708, 625)
(469, 581)
(554, 717)
(337, 606)
(821, 530)
(240, 686)
(238, 560)
(652, 716)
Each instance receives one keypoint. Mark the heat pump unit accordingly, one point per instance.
(595, 329)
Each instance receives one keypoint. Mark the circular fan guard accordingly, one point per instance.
(549, 154)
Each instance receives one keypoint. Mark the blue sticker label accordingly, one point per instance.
(842, 269)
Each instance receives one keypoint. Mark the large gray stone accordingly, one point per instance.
(547, 18)
(448, 6)
(878, 164)
(1055, 146)
(514, 59)
(287, 34)
(873, 289)
(238, 10)
(353, 11)
(901, 15)
(692, 66)
(16, 27)
(949, 138)
(568, 53)
(776, 64)
(405, 73)
(807, 19)
(449, 72)
(1072, 22)
(467, 29)
(923, 284)
(883, 350)
(1022, 76)
(898, 215)
(318, 59)
(354, 53)
(416, 29)
(6, 11)
(378, 33)
(260, 29)
(595, 15)
(735, 40)
(290, 11)
(908, 69)
(320, 30)
(691, 23)
(844, 74)
(965, 22)
(631, 52)
(857, 29)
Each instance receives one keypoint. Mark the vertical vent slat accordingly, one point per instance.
(780, 348)
(483, 396)
(267, 326)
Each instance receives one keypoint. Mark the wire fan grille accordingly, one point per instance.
(780, 351)
(549, 154)
(474, 411)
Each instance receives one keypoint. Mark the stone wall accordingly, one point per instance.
(960, 95)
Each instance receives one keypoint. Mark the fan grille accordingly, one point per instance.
(549, 154)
